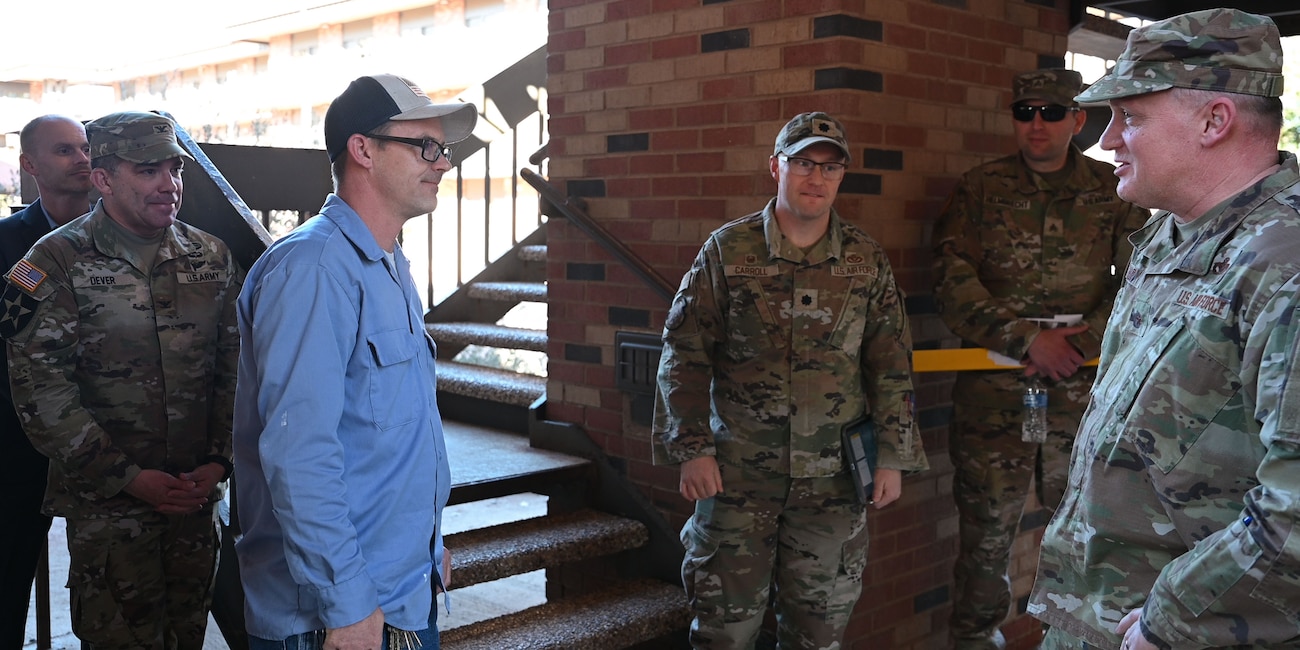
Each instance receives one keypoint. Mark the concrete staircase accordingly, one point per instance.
(597, 551)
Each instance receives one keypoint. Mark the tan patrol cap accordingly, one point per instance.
(134, 136)
(1054, 86)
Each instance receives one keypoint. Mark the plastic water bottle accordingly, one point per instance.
(1034, 427)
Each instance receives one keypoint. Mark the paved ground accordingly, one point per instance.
(468, 605)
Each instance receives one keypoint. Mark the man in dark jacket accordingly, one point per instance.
(55, 153)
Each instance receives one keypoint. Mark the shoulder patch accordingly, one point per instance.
(27, 276)
(17, 308)
(676, 314)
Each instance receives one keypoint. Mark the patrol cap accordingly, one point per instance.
(1218, 49)
(372, 100)
(807, 129)
(1052, 85)
(134, 136)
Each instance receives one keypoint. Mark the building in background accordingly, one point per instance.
(262, 72)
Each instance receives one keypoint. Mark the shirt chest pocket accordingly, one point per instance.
(397, 385)
(1174, 393)
(852, 321)
(752, 328)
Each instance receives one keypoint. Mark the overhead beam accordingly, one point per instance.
(1099, 37)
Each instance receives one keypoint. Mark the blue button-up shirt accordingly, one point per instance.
(339, 453)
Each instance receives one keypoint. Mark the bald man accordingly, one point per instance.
(55, 153)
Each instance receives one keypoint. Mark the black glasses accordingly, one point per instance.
(831, 171)
(1050, 113)
(430, 149)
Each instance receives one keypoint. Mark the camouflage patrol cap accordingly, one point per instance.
(807, 129)
(1218, 49)
(1054, 86)
(134, 136)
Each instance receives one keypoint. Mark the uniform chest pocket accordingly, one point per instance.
(1116, 390)
(395, 379)
(852, 321)
(751, 324)
(1183, 393)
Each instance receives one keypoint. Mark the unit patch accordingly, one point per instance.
(18, 310)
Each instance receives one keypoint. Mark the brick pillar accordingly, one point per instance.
(663, 114)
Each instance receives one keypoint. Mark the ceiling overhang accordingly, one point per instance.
(1286, 13)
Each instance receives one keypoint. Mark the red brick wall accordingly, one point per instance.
(663, 114)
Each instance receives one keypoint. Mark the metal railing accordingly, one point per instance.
(571, 210)
(494, 208)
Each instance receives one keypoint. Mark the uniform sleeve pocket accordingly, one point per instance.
(1280, 586)
(1202, 577)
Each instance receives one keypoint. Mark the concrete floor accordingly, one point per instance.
(468, 605)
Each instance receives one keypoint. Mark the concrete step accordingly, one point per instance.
(493, 384)
(620, 617)
(533, 253)
(495, 552)
(508, 291)
(496, 336)
(487, 463)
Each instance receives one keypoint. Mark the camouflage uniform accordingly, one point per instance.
(120, 364)
(1010, 246)
(768, 352)
(1184, 489)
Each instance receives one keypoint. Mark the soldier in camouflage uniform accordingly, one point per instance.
(1031, 235)
(788, 326)
(122, 349)
(1178, 526)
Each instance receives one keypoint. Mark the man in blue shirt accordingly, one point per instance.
(342, 466)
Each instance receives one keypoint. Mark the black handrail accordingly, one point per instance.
(579, 218)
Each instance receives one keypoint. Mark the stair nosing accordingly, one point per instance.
(487, 334)
(520, 291)
(495, 552)
(489, 383)
(664, 617)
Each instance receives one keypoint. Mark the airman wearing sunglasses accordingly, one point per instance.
(1032, 235)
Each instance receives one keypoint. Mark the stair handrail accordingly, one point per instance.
(592, 228)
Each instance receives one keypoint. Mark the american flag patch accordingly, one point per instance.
(27, 276)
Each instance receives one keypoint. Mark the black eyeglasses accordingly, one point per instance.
(831, 171)
(430, 149)
(1050, 113)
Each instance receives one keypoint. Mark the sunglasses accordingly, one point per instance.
(1050, 113)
